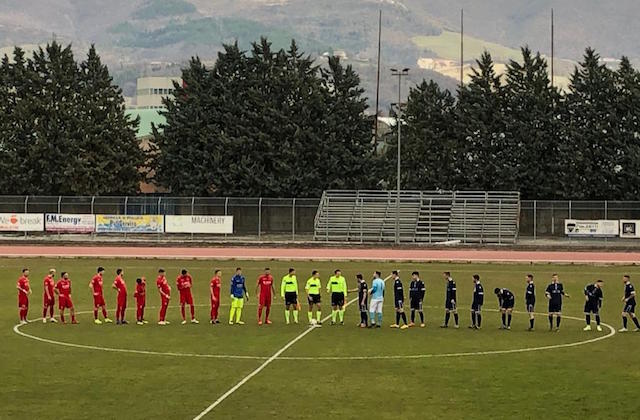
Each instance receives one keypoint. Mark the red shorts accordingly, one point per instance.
(98, 300)
(46, 302)
(265, 300)
(23, 300)
(122, 300)
(140, 302)
(64, 302)
(164, 300)
(186, 297)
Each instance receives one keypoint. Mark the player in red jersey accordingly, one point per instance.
(63, 290)
(24, 290)
(265, 284)
(214, 292)
(165, 296)
(98, 297)
(141, 297)
(121, 287)
(49, 297)
(184, 282)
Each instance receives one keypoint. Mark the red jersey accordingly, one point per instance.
(49, 285)
(215, 285)
(64, 287)
(120, 285)
(265, 281)
(96, 284)
(23, 283)
(184, 283)
(163, 285)
(140, 292)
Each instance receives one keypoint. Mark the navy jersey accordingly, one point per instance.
(593, 294)
(555, 292)
(363, 292)
(417, 290)
(505, 295)
(451, 290)
(398, 290)
(478, 294)
(530, 294)
(629, 293)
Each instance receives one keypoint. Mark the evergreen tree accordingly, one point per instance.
(627, 97)
(267, 123)
(110, 158)
(596, 149)
(534, 129)
(429, 146)
(484, 153)
(63, 127)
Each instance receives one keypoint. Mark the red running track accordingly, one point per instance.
(259, 253)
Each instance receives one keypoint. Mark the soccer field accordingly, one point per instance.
(178, 371)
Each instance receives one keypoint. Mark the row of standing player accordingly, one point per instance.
(336, 286)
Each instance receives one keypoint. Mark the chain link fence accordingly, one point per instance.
(279, 219)
(545, 219)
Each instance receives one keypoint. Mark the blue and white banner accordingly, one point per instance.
(117, 223)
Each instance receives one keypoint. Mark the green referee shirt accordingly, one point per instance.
(289, 284)
(337, 284)
(313, 286)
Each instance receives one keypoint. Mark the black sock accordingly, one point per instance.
(397, 318)
(598, 319)
(531, 323)
(550, 321)
(635, 321)
(504, 319)
(509, 320)
(413, 315)
(558, 321)
(473, 318)
(479, 317)
(404, 318)
(448, 315)
(421, 317)
(588, 319)
(455, 318)
(624, 321)
(363, 317)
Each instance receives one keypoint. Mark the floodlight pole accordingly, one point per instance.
(400, 74)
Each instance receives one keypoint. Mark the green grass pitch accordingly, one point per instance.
(47, 381)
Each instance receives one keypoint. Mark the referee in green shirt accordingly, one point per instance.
(313, 296)
(337, 286)
(289, 293)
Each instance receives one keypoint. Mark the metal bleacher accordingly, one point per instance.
(423, 216)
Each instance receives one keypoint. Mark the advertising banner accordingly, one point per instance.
(199, 224)
(117, 223)
(73, 223)
(21, 222)
(591, 228)
(630, 228)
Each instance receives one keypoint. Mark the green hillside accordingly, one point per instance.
(447, 45)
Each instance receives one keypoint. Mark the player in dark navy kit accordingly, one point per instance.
(593, 302)
(507, 301)
(554, 293)
(629, 308)
(417, 290)
(530, 300)
(363, 297)
(476, 304)
(451, 301)
(398, 297)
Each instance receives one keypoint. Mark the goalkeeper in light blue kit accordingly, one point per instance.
(377, 301)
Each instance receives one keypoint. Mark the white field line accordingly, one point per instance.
(266, 363)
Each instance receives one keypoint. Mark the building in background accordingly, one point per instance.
(148, 117)
(151, 90)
